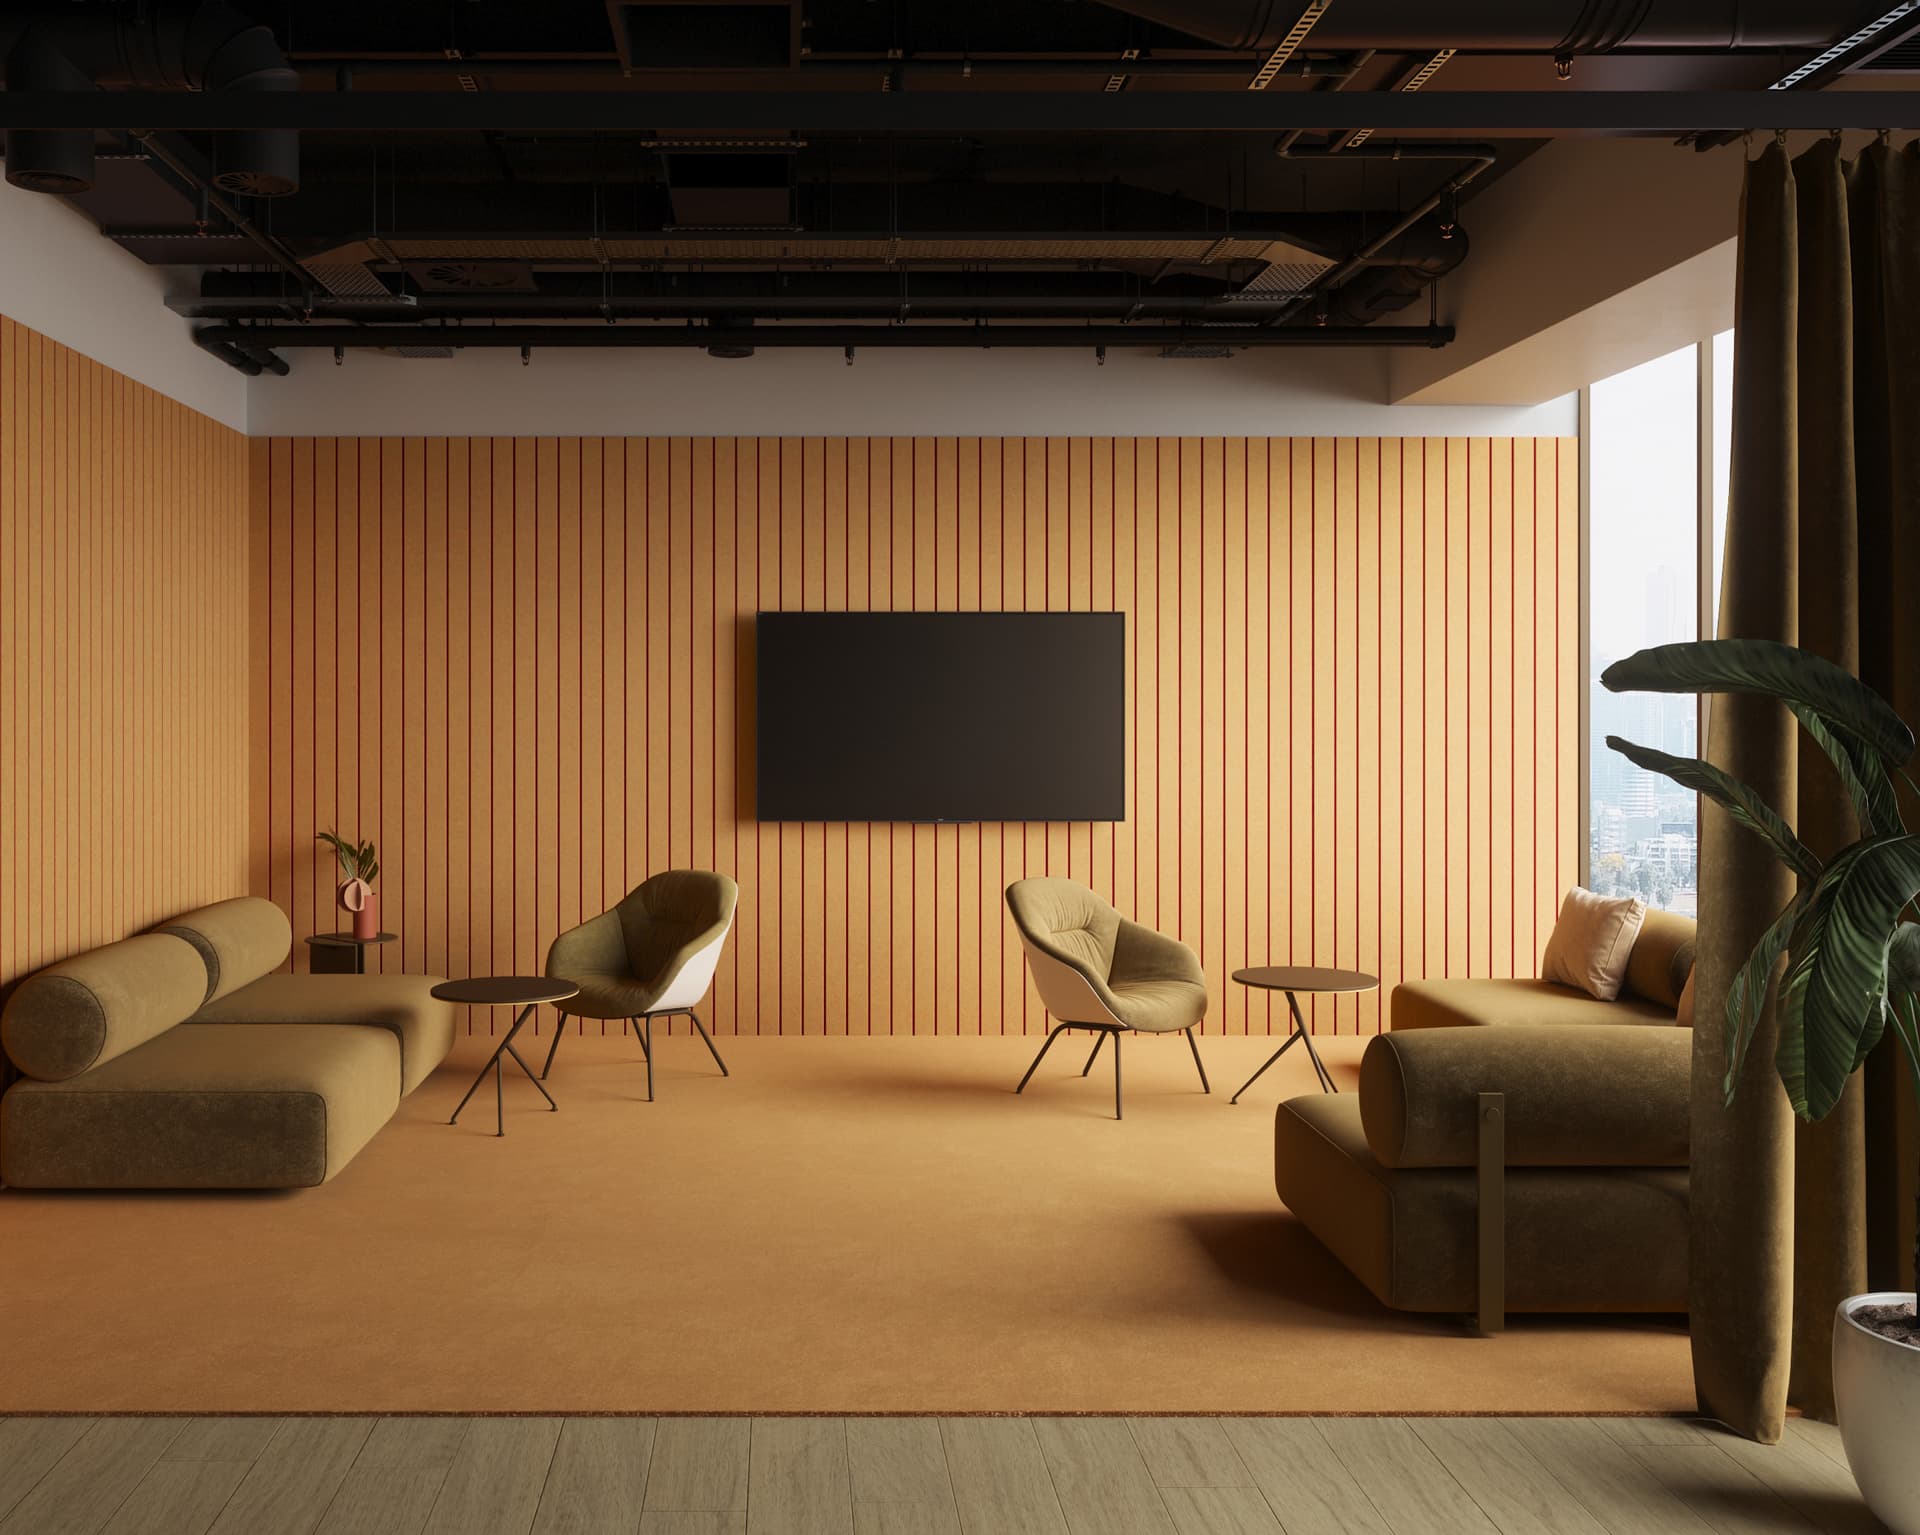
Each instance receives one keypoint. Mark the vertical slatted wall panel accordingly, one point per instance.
(124, 696)
(526, 666)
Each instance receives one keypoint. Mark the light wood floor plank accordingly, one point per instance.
(1503, 1477)
(1220, 1511)
(224, 1439)
(1603, 1474)
(683, 1521)
(29, 1449)
(599, 1477)
(1291, 1462)
(384, 1500)
(1634, 1432)
(905, 1519)
(1414, 1492)
(1101, 1480)
(1000, 1481)
(295, 1477)
(1804, 1479)
(1189, 1452)
(179, 1497)
(493, 1485)
(699, 1465)
(419, 1444)
(897, 1460)
(1718, 1492)
(82, 1491)
(1824, 1437)
(798, 1478)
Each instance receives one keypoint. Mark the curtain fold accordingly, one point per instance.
(1789, 1219)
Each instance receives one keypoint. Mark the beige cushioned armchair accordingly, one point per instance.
(1094, 969)
(650, 957)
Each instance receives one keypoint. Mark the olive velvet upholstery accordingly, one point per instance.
(1095, 969)
(1596, 1142)
(176, 1060)
(652, 956)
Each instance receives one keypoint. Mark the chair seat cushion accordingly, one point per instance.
(1158, 1006)
(609, 996)
(1455, 1003)
(207, 1106)
(404, 1005)
(1578, 1238)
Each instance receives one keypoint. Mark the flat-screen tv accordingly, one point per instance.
(941, 716)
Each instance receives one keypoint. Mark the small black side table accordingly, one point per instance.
(342, 953)
(524, 991)
(1293, 978)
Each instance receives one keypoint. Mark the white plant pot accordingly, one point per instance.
(1876, 1392)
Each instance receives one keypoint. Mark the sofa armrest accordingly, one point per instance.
(1577, 1095)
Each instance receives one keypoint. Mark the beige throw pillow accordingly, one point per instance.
(1591, 942)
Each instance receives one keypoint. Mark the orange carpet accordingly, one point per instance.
(847, 1225)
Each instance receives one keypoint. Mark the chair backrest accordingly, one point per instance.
(1068, 933)
(675, 925)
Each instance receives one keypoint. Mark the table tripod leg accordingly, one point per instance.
(1326, 1077)
(1263, 1070)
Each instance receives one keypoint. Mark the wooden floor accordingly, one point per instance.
(915, 1476)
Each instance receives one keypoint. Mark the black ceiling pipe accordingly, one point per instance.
(52, 160)
(1531, 26)
(172, 45)
(251, 339)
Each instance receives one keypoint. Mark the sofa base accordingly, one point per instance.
(1578, 1239)
(207, 1106)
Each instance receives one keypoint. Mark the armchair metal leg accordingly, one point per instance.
(1052, 1034)
(708, 1040)
(636, 1034)
(1205, 1085)
(1098, 1040)
(553, 1048)
(1116, 1074)
(646, 1048)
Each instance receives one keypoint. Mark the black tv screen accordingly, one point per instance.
(941, 716)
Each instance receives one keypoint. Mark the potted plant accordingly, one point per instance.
(1852, 973)
(360, 864)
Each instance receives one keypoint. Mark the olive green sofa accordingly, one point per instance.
(179, 1059)
(1515, 1145)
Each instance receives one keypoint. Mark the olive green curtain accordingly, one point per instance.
(1824, 515)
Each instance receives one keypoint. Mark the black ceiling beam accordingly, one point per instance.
(966, 111)
(252, 338)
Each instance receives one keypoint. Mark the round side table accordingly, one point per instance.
(1297, 978)
(525, 992)
(342, 953)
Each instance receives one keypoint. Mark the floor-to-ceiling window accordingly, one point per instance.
(1655, 524)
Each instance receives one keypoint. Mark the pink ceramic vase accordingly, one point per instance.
(366, 921)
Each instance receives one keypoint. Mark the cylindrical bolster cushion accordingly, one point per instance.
(84, 1011)
(239, 941)
(1578, 1095)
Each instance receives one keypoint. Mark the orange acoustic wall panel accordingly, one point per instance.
(524, 667)
(123, 655)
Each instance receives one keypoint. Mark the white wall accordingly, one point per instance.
(61, 278)
(883, 394)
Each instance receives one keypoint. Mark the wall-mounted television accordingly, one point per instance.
(940, 717)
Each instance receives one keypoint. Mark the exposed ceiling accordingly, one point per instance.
(433, 238)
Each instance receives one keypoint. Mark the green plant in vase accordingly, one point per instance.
(360, 864)
(1852, 972)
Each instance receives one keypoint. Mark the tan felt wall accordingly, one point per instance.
(524, 667)
(124, 629)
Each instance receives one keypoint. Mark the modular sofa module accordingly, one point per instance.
(179, 1059)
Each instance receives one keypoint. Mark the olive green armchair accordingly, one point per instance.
(650, 957)
(1094, 969)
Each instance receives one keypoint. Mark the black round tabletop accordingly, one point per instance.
(348, 941)
(505, 990)
(1306, 978)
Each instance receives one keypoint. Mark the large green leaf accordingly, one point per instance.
(1747, 997)
(1835, 995)
(1862, 774)
(1745, 806)
(1785, 672)
(1903, 960)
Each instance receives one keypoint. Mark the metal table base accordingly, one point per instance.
(1298, 1032)
(494, 1065)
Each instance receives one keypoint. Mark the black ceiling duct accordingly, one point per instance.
(1532, 26)
(47, 159)
(171, 45)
